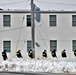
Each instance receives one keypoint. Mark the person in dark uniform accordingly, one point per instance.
(44, 54)
(4, 55)
(63, 54)
(18, 54)
(30, 54)
(75, 53)
(54, 53)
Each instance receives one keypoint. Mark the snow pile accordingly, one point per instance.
(34, 65)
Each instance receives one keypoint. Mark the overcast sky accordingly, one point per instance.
(43, 4)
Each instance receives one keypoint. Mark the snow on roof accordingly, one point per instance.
(14, 9)
(28, 11)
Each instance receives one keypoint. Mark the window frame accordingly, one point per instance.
(52, 46)
(73, 46)
(73, 20)
(28, 21)
(5, 48)
(7, 21)
(29, 48)
(50, 21)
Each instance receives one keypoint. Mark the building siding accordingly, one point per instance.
(63, 32)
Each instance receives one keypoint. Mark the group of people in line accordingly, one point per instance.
(30, 54)
(18, 54)
(53, 53)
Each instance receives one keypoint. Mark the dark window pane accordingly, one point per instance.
(28, 20)
(52, 17)
(53, 45)
(74, 45)
(29, 46)
(74, 17)
(74, 48)
(73, 20)
(6, 17)
(52, 20)
(6, 20)
(74, 23)
(6, 23)
(74, 42)
(53, 23)
(52, 48)
(28, 23)
(7, 49)
(7, 46)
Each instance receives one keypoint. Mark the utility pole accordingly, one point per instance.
(32, 28)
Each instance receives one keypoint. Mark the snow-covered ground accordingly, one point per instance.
(35, 65)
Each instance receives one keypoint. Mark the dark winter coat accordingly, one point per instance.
(53, 53)
(63, 54)
(18, 53)
(4, 55)
(75, 52)
(44, 54)
(30, 54)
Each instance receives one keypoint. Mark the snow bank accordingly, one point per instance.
(34, 65)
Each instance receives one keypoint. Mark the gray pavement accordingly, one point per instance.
(31, 73)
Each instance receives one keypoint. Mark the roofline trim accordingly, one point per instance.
(13, 11)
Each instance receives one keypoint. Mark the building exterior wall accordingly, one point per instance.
(63, 32)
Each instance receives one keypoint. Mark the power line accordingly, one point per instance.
(39, 2)
(20, 33)
(27, 4)
(13, 3)
(12, 29)
(25, 40)
(56, 3)
(42, 38)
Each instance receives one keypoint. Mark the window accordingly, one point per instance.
(28, 20)
(7, 46)
(29, 47)
(53, 45)
(73, 20)
(6, 20)
(74, 45)
(52, 19)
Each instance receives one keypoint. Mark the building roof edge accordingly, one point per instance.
(42, 11)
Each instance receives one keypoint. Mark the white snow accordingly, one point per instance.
(35, 65)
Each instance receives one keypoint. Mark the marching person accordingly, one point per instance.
(44, 54)
(4, 55)
(30, 54)
(18, 54)
(63, 54)
(54, 53)
(75, 52)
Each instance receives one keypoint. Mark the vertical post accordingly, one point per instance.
(32, 29)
